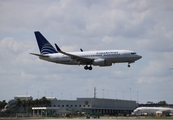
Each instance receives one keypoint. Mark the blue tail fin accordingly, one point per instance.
(44, 46)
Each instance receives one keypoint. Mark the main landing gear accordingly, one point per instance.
(88, 68)
(128, 65)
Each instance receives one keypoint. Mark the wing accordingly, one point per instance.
(79, 59)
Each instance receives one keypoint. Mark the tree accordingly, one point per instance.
(18, 103)
(162, 102)
(36, 102)
(28, 104)
(24, 104)
(44, 102)
(3, 104)
(48, 103)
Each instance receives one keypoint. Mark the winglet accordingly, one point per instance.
(81, 49)
(57, 48)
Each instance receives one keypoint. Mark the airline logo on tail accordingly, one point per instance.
(44, 46)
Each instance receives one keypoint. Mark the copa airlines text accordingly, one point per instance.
(87, 58)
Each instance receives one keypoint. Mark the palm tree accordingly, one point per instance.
(36, 102)
(24, 103)
(28, 105)
(48, 103)
(44, 102)
(18, 103)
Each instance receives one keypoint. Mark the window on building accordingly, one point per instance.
(75, 105)
(62, 105)
(58, 105)
(83, 105)
(88, 105)
(54, 105)
(66, 105)
(79, 105)
(71, 105)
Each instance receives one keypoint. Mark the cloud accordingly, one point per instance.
(142, 26)
(9, 45)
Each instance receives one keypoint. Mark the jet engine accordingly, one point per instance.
(101, 62)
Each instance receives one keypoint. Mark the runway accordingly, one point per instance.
(103, 118)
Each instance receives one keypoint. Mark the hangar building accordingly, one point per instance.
(99, 106)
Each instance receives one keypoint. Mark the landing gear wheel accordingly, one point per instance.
(90, 68)
(128, 65)
(86, 67)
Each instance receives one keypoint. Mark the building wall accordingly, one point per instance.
(94, 105)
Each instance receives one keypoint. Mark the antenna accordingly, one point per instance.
(94, 92)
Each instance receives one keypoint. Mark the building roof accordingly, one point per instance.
(45, 108)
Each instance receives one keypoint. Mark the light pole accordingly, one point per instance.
(130, 93)
(137, 97)
(38, 94)
(61, 96)
(108, 93)
(103, 93)
(45, 93)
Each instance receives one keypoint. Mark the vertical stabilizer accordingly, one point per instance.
(44, 46)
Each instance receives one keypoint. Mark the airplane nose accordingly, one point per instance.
(139, 56)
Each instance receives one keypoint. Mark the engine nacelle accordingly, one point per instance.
(101, 62)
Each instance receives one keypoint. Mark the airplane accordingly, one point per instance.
(152, 110)
(87, 58)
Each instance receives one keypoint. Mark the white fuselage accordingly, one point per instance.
(152, 110)
(110, 56)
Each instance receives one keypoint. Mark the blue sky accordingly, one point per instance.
(142, 26)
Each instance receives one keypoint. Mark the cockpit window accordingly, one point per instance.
(133, 53)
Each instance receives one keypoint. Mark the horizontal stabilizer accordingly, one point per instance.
(39, 55)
